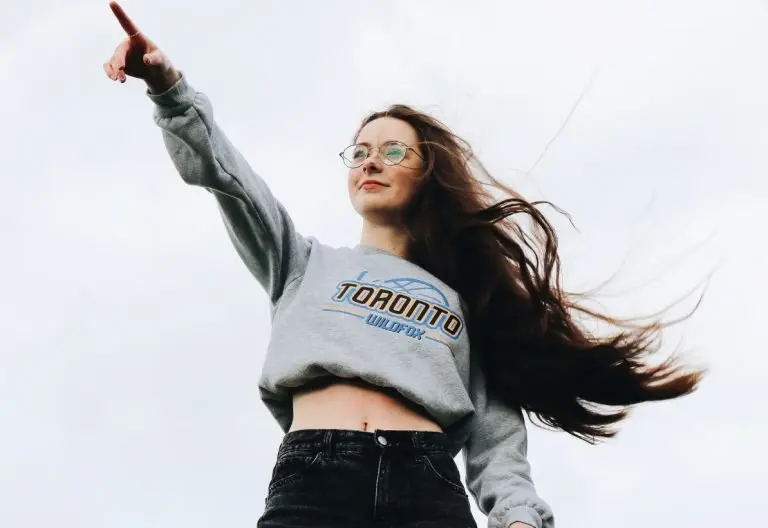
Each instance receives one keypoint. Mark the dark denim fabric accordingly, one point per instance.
(335, 478)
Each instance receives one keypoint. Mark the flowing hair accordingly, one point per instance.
(534, 353)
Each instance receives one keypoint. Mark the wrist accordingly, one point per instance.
(162, 83)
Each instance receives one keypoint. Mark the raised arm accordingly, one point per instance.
(258, 225)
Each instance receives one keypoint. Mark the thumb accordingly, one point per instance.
(154, 58)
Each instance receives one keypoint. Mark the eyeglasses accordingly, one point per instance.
(390, 153)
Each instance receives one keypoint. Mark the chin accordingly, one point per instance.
(377, 213)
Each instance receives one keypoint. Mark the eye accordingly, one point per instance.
(394, 151)
(360, 152)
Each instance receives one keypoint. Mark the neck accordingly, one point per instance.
(387, 237)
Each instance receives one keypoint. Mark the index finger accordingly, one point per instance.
(125, 20)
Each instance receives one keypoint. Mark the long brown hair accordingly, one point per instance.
(535, 355)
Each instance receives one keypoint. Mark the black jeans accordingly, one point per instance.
(334, 478)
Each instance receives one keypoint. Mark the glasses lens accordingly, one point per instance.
(355, 154)
(393, 152)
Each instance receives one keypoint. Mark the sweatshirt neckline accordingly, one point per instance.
(373, 250)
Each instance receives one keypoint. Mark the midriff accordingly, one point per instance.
(335, 403)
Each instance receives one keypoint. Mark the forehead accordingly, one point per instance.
(387, 129)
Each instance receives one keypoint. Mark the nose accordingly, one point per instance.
(372, 163)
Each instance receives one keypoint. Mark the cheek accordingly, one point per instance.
(352, 191)
(351, 179)
(406, 186)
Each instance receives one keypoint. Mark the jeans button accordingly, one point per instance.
(382, 440)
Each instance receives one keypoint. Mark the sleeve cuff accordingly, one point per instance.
(175, 100)
(524, 514)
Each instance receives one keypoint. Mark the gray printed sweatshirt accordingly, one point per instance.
(355, 312)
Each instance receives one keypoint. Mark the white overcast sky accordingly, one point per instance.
(132, 336)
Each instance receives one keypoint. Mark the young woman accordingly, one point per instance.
(430, 337)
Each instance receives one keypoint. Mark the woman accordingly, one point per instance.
(369, 370)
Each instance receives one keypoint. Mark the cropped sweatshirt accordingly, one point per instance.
(357, 312)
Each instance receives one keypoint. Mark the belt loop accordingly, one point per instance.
(414, 440)
(328, 443)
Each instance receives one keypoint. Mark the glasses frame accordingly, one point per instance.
(352, 165)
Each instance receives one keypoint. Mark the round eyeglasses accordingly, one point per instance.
(390, 153)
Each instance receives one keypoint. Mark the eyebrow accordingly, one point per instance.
(383, 142)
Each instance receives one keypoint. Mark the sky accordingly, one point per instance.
(132, 336)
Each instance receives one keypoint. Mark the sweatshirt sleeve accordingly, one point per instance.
(497, 468)
(257, 224)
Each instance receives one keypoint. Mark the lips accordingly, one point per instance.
(371, 184)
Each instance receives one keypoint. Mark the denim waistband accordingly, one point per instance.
(353, 441)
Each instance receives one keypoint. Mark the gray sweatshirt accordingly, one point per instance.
(355, 313)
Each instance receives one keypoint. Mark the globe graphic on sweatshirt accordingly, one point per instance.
(415, 287)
